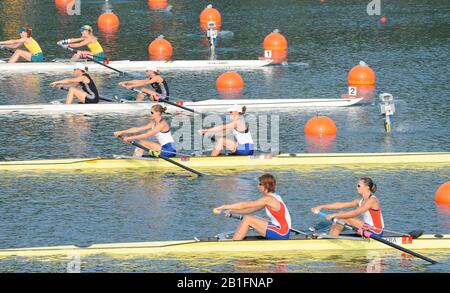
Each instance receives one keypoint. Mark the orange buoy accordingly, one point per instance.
(323, 143)
(275, 47)
(157, 4)
(62, 2)
(320, 126)
(442, 194)
(210, 14)
(275, 41)
(361, 74)
(230, 81)
(383, 19)
(61, 6)
(108, 21)
(160, 49)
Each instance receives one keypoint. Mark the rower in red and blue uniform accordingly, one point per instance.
(279, 225)
(157, 128)
(368, 207)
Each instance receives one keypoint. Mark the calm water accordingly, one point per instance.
(409, 54)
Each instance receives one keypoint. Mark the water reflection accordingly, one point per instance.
(443, 214)
(323, 144)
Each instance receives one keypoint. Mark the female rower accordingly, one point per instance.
(87, 39)
(242, 145)
(81, 87)
(280, 220)
(158, 128)
(155, 80)
(34, 53)
(368, 206)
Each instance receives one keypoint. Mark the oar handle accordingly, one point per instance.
(7, 49)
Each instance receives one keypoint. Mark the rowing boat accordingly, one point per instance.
(128, 65)
(286, 161)
(214, 245)
(204, 106)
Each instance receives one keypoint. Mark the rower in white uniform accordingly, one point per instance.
(242, 144)
(158, 128)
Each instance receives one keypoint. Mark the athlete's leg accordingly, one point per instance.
(223, 142)
(151, 94)
(260, 226)
(75, 93)
(336, 229)
(20, 54)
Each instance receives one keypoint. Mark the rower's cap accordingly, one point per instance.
(79, 66)
(235, 108)
(151, 68)
(86, 28)
(22, 29)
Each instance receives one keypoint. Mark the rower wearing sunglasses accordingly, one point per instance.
(279, 225)
(158, 128)
(155, 80)
(242, 144)
(81, 87)
(366, 206)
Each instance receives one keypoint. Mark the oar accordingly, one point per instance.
(166, 100)
(100, 63)
(240, 217)
(158, 155)
(369, 234)
(100, 97)
(9, 50)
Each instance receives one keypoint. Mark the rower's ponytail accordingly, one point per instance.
(244, 108)
(160, 109)
(369, 183)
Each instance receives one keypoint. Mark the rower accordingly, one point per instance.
(368, 206)
(87, 39)
(158, 128)
(280, 220)
(158, 83)
(34, 53)
(242, 145)
(81, 87)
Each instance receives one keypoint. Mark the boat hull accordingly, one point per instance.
(201, 106)
(288, 161)
(127, 65)
(193, 247)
